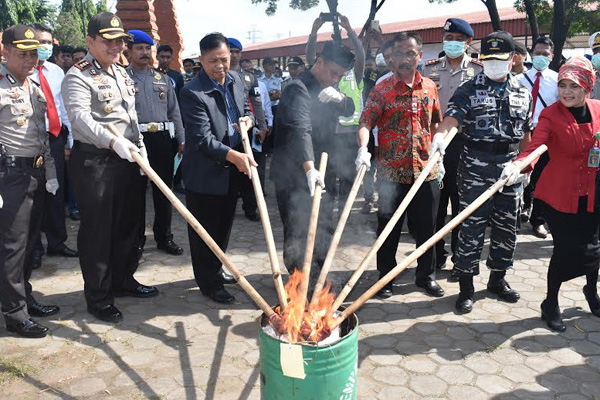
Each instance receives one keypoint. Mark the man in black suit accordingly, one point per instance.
(214, 163)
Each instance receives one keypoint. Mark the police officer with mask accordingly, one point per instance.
(449, 72)
(160, 122)
(97, 91)
(494, 109)
(26, 167)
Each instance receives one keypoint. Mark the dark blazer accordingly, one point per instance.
(205, 169)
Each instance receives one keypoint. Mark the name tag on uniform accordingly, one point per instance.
(594, 157)
(518, 101)
(478, 101)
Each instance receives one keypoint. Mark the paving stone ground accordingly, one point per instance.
(180, 345)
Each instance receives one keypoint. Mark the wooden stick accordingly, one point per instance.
(204, 235)
(312, 232)
(391, 224)
(485, 196)
(337, 235)
(266, 223)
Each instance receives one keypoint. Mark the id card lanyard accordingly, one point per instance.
(594, 156)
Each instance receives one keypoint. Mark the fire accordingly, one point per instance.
(306, 322)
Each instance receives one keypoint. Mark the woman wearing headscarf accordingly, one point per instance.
(569, 188)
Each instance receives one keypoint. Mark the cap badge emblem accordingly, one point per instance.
(29, 34)
(114, 22)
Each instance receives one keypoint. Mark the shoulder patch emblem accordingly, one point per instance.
(432, 61)
(83, 65)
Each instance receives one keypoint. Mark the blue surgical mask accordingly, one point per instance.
(44, 52)
(453, 48)
(541, 62)
(596, 61)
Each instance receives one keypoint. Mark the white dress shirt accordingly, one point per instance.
(548, 88)
(266, 105)
(55, 75)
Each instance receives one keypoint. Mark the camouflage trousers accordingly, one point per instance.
(500, 212)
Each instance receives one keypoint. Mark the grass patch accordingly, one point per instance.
(14, 369)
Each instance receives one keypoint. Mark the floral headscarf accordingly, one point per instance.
(580, 71)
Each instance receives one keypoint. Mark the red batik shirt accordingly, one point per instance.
(404, 117)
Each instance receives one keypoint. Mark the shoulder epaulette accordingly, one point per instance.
(432, 61)
(82, 65)
(477, 62)
(160, 71)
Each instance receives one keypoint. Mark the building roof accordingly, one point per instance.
(430, 30)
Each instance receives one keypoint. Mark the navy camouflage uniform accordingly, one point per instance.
(494, 122)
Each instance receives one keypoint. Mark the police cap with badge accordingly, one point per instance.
(140, 37)
(594, 41)
(457, 25)
(295, 61)
(339, 54)
(497, 45)
(21, 37)
(107, 25)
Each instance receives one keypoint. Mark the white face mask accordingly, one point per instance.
(496, 70)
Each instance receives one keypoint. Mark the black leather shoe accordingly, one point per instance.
(540, 231)
(384, 293)
(170, 247)
(63, 251)
(593, 301)
(252, 216)
(140, 291)
(108, 313)
(432, 288)
(552, 317)
(504, 291)
(29, 329)
(220, 296)
(226, 278)
(464, 303)
(38, 310)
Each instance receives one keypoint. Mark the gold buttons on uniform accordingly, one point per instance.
(161, 95)
(21, 121)
(108, 108)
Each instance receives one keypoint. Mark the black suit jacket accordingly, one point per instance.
(203, 109)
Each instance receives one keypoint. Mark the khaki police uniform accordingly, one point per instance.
(160, 123)
(107, 187)
(25, 165)
(447, 81)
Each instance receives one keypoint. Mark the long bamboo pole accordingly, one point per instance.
(266, 223)
(204, 235)
(485, 196)
(337, 235)
(433, 159)
(312, 232)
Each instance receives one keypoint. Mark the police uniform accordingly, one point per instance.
(25, 166)
(107, 186)
(447, 81)
(495, 117)
(159, 121)
(595, 44)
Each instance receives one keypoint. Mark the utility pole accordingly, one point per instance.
(254, 34)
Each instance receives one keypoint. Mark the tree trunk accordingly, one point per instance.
(533, 24)
(374, 8)
(494, 15)
(559, 32)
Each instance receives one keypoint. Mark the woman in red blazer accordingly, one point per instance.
(568, 186)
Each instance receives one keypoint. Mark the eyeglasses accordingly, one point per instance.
(410, 55)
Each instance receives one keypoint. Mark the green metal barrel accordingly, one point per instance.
(306, 372)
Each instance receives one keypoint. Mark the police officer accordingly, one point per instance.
(449, 72)
(159, 122)
(26, 166)
(494, 109)
(97, 91)
(594, 42)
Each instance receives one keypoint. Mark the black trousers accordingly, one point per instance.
(215, 213)
(536, 218)
(160, 155)
(341, 170)
(108, 192)
(249, 203)
(449, 194)
(20, 223)
(422, 210)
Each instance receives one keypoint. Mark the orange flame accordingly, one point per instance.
(306, 322)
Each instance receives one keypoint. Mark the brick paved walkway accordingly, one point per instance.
(182, 346)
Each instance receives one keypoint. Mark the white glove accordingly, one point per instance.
(524, 179)
(144, 155)
(52, 186)
(329, 94)
(1, 202)
(313, 177)
(363, 157)
(511, 171)
(123, 149)
(438, 144)
(441, 170)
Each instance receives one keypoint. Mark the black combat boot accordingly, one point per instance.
(498, 286)
(464, 303)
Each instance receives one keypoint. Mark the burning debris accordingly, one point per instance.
(302, 321)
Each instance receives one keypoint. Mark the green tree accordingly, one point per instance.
(295, 4)
(25, 12)
(82, 10)
(68, 30)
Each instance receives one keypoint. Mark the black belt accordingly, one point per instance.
(494, 148)
(22, 162)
